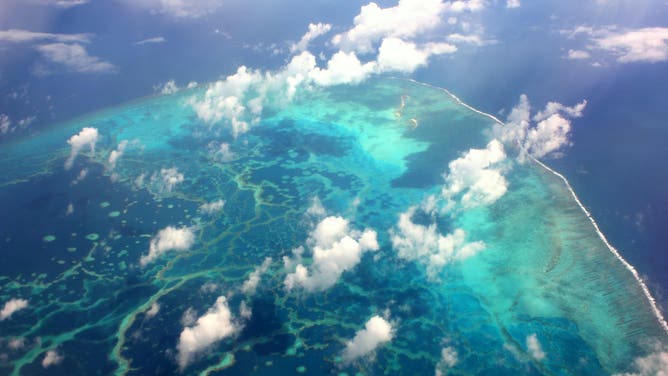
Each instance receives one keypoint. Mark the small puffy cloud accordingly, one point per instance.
(476, 178)
(168, 88)
(52, 358)
(449, 359)
(11, 307)
(654, 364)
(250, 285)
(316, 209)
(5, 124)
(578, 55)
(168, 178)
(179, 9)
(534, 348)
(169, 239)
(74, 57)
(342, 68)
(86, 137)
(422, 243)
(154, 40)
(377, 331)
(223, 153)
(549, 133)
(215, 325)
(116, 154)
(16, 343)
(25, 36)
(153, 310)
(397, 55)
(336, 248)
(314, 31)
(513, 4)
(212, 207)
(82, 175)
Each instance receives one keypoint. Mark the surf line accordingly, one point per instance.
(627, 265)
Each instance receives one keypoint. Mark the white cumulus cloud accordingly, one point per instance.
(250, 285)
(475, 178)
(397, 55)
(168, 87)
(534, 347)
(52, 358)
(169, 239)
(377, 331)
(546, 136)
(12, 306)
(336, 248)
(449, 358)
(425, 244)
(86, 137)
(212, 207)
(168, 178)
(513, 4)
(578, 55)
(406, 20)
(654, 364)
(215, 325)
(314, 31)
(116, 154)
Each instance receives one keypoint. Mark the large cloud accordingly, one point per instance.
(215, 325)
(649, 45)
(546, 136)
(74, 57)
(376, 332)
(342, 68)
(336, 248)
(397, 55)
(475, 178)
(406, 20)
(169, 239)
(12, 306)
(87, 137)
(422, 243)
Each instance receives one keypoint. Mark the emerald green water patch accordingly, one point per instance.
(544, 277)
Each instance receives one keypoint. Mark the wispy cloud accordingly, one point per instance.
(26, 36)
(178, 8)
(74, 57)
(154, 40)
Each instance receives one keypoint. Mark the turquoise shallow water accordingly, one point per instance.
(544, 274)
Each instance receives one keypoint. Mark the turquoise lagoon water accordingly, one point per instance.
(544, 272)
